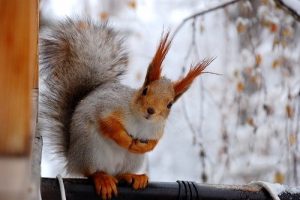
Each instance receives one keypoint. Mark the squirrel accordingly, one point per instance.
(101, 127)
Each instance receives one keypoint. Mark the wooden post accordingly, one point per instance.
(18, 77)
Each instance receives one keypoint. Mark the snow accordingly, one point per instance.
(236, 152)
(276, 189)
(293, 4)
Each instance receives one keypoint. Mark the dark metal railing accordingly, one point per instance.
(79, 189)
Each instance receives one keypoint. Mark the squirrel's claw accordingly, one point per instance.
(138, 181)
(105, 185)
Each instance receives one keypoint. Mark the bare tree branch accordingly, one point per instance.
(203, 13)
(285, 7)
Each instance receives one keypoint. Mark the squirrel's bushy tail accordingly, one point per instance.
(75, 58)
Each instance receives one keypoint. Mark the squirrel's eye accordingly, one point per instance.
(145, 91)
(169, 105)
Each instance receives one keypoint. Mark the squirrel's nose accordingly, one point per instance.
(150, 110)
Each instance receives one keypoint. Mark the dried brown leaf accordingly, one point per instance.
(289, 111)
(241, 28)
(279, 177)
(240, 87)
(258, 59)
(132, 4)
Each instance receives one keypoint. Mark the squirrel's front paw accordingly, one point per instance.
(142, 147)
(105, 185)
(138, 181)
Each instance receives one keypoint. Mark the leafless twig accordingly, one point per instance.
(288, 9)
(194, 16)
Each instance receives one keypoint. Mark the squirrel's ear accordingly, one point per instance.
(155, 67)
(184, 83)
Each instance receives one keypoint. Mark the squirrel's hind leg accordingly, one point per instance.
(105, 184)
(138, 181)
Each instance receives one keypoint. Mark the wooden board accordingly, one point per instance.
(18, 74)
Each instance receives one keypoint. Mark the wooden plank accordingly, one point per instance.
(18, 74)
(18, 77)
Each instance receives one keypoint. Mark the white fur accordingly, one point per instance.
(81, 69)
(144, 129)
(89, 150)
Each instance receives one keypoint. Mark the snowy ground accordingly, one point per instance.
(231, 152)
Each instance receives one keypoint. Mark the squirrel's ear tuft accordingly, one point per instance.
(155, 67)
(184, 83)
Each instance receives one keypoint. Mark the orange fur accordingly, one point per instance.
(159, 94)
(183, 84)
(105, 185)
(155, 67)
(142, 147)
(112, 128)
(138, 181)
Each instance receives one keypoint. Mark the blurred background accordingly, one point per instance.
(236, 127)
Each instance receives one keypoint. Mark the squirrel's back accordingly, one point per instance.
(75, 58)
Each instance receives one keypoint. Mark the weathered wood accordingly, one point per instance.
(14, 178)
(36, 154)
(18, 74)
(18, 77)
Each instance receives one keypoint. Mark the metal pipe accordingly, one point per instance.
(78, 189)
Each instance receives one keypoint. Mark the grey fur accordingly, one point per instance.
(81, 67)
(80, 63)
(73, 62)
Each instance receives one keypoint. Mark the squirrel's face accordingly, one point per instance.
(154, 101)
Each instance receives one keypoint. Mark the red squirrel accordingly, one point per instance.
(101, 127)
